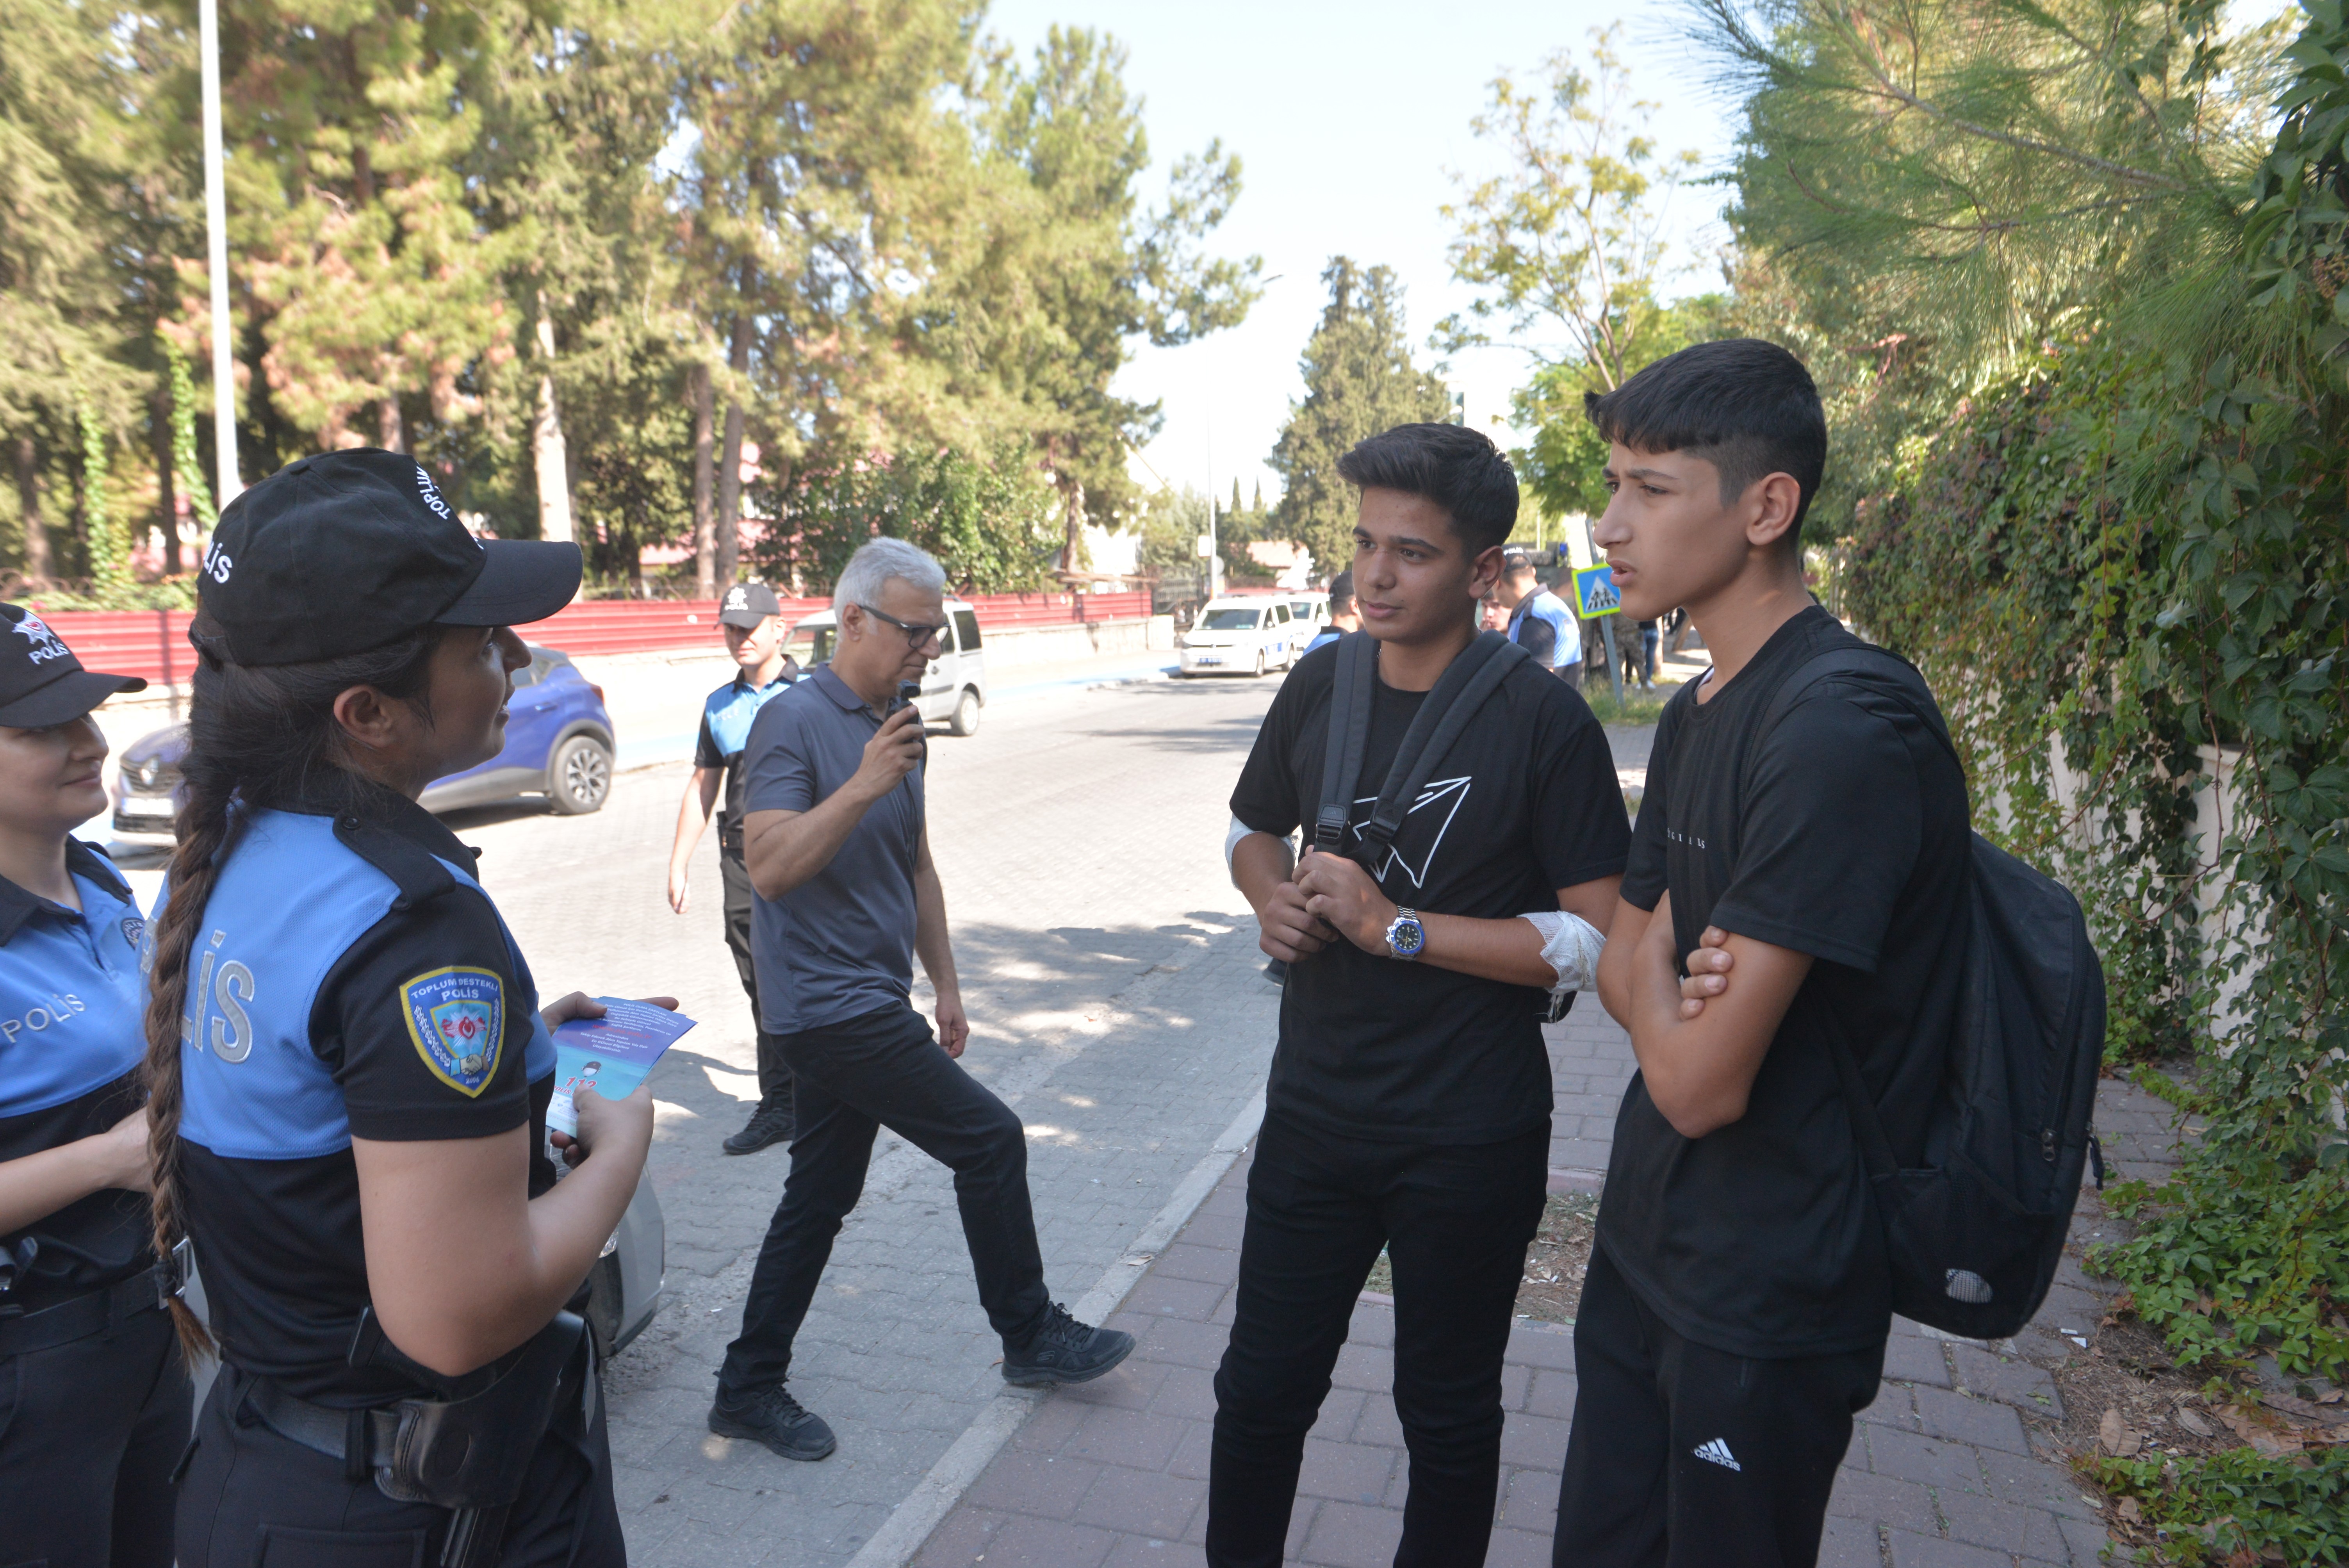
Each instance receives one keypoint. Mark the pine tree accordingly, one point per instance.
(1359, 380)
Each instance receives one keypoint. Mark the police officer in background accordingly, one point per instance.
(1539, 620)
(753, 619)
(94, 1398)
(349, 1070)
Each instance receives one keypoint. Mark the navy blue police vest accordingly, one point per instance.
(290, 902)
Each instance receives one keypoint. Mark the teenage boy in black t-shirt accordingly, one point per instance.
(1409, 1102)
(1808, 870)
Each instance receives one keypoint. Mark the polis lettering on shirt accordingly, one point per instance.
(218, 1000)
(38, 1018)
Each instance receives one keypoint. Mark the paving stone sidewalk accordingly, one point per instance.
(1942, 1473)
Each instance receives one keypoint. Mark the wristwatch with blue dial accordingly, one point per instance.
(1406, 938)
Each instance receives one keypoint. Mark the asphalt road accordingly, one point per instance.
(1115, 1001)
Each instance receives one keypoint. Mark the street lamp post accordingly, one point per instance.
(216, 235)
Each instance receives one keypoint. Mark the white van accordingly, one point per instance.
(1239, 637)
(954, 688)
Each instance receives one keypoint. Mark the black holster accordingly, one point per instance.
(472, 1455)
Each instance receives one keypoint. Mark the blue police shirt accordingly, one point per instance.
(726, 718)
(841, 944)
(1548, 630)
(72, 1034)
(349, 978)
(1326, 634)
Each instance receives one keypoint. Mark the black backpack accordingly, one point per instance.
(1973, 1234)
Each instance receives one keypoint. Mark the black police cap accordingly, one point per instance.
(344, 552)
(41, 682)
(748, 604)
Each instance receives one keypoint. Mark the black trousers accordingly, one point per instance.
(774, 1072)
(251, 1498)
(89, 1432)
(1454, 1219)
(1687, 1457)
(885, 1069)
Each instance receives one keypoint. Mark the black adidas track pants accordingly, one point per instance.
(1687, 1457)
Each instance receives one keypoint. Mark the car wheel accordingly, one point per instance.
(1259, 662)
(579, 776)
(965, 718)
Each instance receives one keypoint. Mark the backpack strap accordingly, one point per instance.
(1866, 658)
(1352, 696)
(1466, 682)
(1867, 1123)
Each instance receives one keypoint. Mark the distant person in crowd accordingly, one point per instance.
(751, 620)
(1538, 619)
(1492, 615)
(835, 840)
(1409, 1102)
(1342, 615)
(1649, 637)
(96, 1400)
(1796, 890)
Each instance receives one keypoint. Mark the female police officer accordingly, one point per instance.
(93, 1394)
(349, 1076)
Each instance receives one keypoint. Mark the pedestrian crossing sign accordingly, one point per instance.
(1594, 592)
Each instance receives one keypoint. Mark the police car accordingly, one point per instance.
(559, 743)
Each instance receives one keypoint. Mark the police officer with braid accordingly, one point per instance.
(94, 1398)
(350, 1072)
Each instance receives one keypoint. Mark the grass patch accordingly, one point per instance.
(1551, 1287)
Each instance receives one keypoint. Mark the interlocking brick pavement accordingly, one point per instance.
(1941, 1472)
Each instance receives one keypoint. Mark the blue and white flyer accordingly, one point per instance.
(610, 1055)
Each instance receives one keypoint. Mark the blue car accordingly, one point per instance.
(558, 743)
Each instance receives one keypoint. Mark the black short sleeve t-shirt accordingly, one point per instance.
(1841, 833)
(1525, 803)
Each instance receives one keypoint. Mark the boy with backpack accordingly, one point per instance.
(1803, 848)
(1465, 831)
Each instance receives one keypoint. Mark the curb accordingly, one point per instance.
(925, 1508)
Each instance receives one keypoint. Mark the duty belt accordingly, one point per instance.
(466, 1455)
(150, 1290)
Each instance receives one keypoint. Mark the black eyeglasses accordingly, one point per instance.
(916, 635)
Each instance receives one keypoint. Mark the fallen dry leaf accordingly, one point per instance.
(2114, 1435)
(2194, 1423)
(2129, 1511)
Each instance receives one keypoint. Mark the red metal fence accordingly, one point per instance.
(154, 642)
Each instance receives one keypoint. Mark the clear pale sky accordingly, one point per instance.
(1347, 118)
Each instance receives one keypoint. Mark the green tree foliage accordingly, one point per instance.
(993, 523)
(1570, 239)
(864, 229)
(2119, 263)
(1560, 468)
(1058, 268)
(1359, 380)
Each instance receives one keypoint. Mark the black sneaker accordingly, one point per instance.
(770, 1416)
(1065, 1351)
(768, 1124)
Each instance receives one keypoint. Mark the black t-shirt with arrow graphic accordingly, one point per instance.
(1525, 803)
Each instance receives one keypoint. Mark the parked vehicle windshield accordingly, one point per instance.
(1229, 621)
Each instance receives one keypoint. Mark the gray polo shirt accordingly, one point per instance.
(840, 944)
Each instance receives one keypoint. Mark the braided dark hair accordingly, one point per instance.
(257, 738)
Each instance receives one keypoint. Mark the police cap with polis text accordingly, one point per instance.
(41, 682)
(747, 604)
(343, 551)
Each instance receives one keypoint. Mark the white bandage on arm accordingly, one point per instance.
(1570, 946)
(1232, 842)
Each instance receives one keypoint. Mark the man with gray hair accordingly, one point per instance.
(834, 840)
